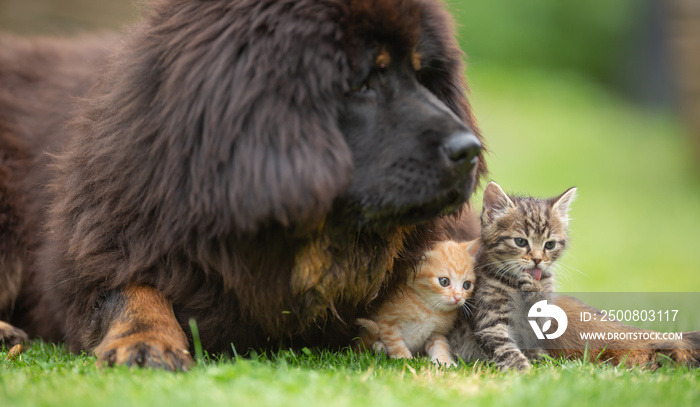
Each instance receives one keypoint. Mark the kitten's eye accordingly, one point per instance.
(550, 245)
(520, 242)
(467, 285)
(444, 281)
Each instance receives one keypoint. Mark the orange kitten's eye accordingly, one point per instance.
(467, 285)
(550, 245)
(444, 281)
(520, 242)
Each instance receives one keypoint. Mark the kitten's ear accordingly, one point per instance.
(561, 203)
(495, 202)
(473, 247)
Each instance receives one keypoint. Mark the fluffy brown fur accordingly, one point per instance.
(266, 168)
(39, 81)
(249, 164)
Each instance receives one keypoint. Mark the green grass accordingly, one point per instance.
(48, 376)
(634, 228)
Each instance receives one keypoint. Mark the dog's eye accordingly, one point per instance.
(361, 88)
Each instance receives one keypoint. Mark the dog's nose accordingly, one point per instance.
(462, 147)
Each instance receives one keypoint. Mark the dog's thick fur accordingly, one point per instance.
(265, 168)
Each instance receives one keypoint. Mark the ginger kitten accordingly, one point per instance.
(425, 307)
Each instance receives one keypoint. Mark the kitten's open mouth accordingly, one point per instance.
(535, 273)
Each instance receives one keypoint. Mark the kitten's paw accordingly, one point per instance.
(528, 284)
(535, 354)
(513, 360)
(379, 347)
(520, 366)
(523, 366)
(443, 361)
(528, 288)
(400, 354)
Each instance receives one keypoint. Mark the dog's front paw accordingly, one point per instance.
(144, 350)
(12, 336)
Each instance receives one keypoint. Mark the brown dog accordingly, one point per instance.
(265, 168)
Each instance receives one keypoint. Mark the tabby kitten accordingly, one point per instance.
(425, 307)
(521, 238)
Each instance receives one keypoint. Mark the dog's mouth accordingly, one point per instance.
(416, 213)
(400, 200)
(405, 213)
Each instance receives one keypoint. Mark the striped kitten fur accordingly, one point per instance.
(425, 308)
(522, 237)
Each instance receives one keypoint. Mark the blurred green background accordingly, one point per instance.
(589, 94)
(567, 93)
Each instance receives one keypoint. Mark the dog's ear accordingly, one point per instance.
(223, 116)
(265, 100)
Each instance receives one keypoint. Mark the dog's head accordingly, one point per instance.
(405, 116)
(356, 106)
(254, 112)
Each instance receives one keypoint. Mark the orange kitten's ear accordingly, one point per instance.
(562, 202)
(473, 247)
(495, 202)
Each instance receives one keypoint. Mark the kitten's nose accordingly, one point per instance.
(537, 261)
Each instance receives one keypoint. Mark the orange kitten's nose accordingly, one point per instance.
(457, 298)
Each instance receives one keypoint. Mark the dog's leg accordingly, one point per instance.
(142, 331)
(632, 352)
(11, 242)
(10, 335)
(9, 290)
